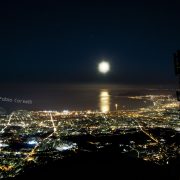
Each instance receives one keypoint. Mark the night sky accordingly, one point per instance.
(63, 41)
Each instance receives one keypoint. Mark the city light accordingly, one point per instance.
(44, 132)
(32, 142)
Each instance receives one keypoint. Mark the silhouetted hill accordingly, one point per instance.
(106, 163)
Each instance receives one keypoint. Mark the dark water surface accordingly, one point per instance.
(76, 97)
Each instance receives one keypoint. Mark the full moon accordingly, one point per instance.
(103, 67)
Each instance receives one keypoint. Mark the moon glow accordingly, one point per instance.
(104, 67)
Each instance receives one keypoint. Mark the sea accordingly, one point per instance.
(77, 97)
